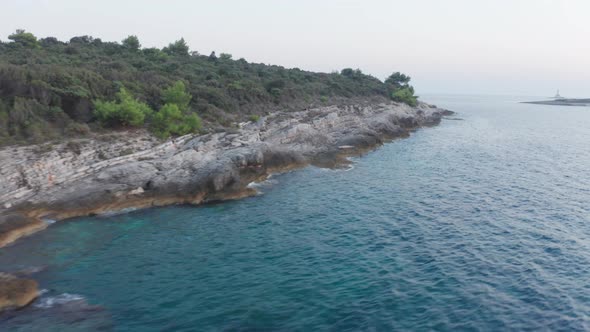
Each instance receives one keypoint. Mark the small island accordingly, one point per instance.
(562, 102)
(558, 100)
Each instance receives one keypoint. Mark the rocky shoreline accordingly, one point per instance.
(39, 185)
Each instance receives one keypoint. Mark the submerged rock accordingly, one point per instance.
(62, 312)
(15, 292)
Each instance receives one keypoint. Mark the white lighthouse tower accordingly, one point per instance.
(558, 96)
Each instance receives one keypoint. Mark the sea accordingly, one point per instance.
(479, 224)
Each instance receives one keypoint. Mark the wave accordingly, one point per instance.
(52, 301)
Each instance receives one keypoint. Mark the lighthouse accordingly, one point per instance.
(558, 96)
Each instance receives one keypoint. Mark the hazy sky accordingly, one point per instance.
(448, 46)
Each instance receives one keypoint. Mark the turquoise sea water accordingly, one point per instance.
(481, 223)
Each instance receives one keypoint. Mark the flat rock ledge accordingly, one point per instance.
(16, 293)
(41, 184)
(15, 225)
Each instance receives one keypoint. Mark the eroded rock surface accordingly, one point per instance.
(98, 176)
(15, 225)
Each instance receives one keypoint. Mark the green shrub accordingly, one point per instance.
(24, 38)
(254, 118)
(173, 118)
(178, 48)
(275, 92)
(398, 80)
(126, 111)
(405, 95)
(170, 121)
(193, 122)
(401, 90)
(176, 94)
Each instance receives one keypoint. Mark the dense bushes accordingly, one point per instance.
(405, 95)
(103, 84)
(176, 94)
(126, 111)
(171, 121)
(174, 118)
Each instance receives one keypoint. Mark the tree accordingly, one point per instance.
(132, 43)
(154, 54)
(398, 80)
(171, 121)
(126, 111)
(82, 40)
(355, 74)
(225, 56)
(348, 72)
(176, 94)
(23, 38)
(400, 89)
(49, 41)
(179, 48)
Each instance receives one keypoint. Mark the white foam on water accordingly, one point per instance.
(49, 221)
(258, 186)
(349, 168)
(117, 212)
(345, 168)
(49, 302)
(265, 183)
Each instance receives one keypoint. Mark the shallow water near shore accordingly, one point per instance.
(480, 223)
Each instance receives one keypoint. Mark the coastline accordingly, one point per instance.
(97, 177)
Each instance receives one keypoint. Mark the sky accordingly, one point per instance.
(510, 47)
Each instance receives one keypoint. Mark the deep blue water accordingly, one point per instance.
(477, 224)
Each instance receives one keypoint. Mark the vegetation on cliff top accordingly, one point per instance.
(50, 89)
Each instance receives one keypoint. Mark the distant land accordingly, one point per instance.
(562, 102)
